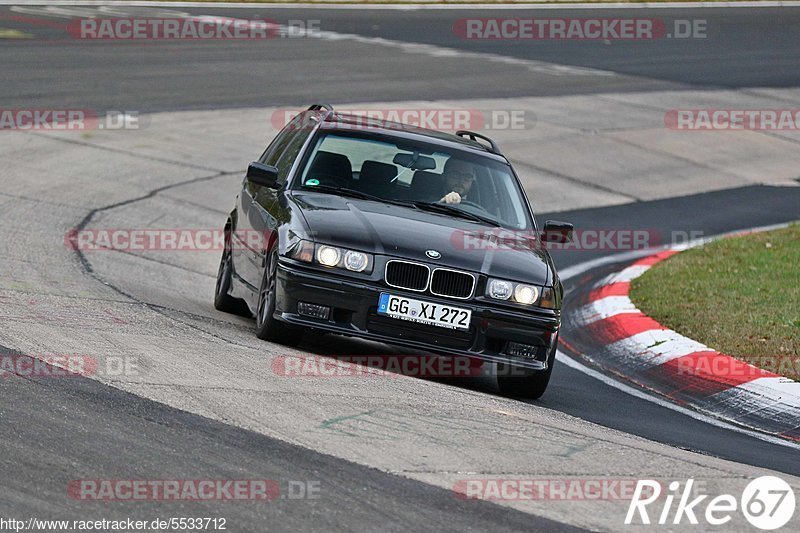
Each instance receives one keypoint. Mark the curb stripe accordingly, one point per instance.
(704, 374)
(614, 289)
(606, 308)
(656, 347)
(627, 274)
(717, 367)
(793, 434)
(618, 327)
(644, 351)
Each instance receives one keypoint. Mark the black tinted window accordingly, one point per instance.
(290, 152)
(277, 147)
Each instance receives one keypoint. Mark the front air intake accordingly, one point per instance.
(409, 276)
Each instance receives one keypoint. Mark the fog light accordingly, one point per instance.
(313, 310)
(522, 350)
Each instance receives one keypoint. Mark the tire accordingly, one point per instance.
(222, 300)
(267, 328)
(531, 384)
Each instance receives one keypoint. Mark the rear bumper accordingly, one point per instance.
(354, 305)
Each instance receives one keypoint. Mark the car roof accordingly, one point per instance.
(335, 120)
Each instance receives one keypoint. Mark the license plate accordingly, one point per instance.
(403, 308)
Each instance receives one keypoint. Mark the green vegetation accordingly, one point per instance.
(738, 295)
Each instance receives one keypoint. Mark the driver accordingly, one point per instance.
(459, 176)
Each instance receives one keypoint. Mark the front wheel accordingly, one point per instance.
(267, 327)
(222, 300)
(523, 382)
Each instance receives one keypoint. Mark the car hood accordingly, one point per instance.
(408, 233)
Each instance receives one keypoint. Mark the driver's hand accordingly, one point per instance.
(451, 198)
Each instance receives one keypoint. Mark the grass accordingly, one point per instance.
(739, 295)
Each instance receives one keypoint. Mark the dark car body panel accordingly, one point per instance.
(355, 303)
(373, 227)
(286, 214)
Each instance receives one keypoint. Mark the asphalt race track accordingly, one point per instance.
(204, 401)
(740, 52)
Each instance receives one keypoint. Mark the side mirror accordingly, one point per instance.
(558, 232)
(264, 175)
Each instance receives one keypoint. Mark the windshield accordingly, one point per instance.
(416, 174)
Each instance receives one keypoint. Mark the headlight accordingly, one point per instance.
(525, 294)
(500, 290)
(355, 261)
(331, 256)
(520, 293)
(328, 256)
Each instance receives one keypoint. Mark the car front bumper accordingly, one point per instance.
(353, 307)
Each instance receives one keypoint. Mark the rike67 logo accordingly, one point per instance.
(767, 503)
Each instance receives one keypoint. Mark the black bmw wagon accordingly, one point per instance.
(398, 234)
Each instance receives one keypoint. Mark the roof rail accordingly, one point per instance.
(316, 107)
(475, 136)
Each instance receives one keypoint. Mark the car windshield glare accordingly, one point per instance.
(409, 173)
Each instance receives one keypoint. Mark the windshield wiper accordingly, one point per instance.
(451, 210)
(352, 193)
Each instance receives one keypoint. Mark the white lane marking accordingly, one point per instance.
(605, 308)
(580, 268)
(98, 10)
(430, 50)
(431, 6)
(577, 270)
(642, 395)
(542, 67)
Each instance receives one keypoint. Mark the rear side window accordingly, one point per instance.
(283, 150)
(299, 124)
(290, 153)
